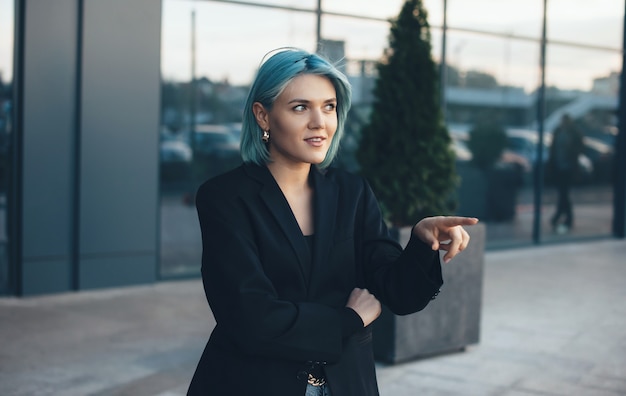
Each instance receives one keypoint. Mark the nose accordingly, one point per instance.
(317, 120)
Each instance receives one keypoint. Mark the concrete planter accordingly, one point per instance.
(450, 322)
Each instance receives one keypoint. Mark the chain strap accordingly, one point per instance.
(316, 381)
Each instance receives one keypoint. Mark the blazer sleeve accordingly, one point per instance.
(404, 280)
(244, 300)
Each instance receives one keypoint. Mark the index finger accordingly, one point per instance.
(452, 221)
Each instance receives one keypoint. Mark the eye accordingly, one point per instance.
(331, 106)
(299, 107)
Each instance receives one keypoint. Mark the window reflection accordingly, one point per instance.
(6, 123)
(494, 76)
(491, 84)
(490, 110)
(383, 9)
(210, 53)
(592, 109)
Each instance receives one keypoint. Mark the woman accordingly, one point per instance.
(296, 256)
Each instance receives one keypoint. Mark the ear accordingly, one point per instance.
(261, 115)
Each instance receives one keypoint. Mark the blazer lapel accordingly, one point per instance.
(277, 205)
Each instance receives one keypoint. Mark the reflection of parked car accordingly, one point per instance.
(215, 150)
(601, 156)
(175, 159)
(175, 156)
(459, 147)
(173, 151)
(235, 129)
(463, 153)
(215, 141)
(525, 142)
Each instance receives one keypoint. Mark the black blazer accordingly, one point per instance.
(277, 306)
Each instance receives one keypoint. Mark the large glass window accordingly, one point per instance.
(493, 75)
(355, 45)
(580, 132)
(514, 17)
(6, 122)
(492, 80)
(490, 92)
(383, 9)
(583, 64)
(210, 52)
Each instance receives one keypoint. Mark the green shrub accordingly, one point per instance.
(405, 149)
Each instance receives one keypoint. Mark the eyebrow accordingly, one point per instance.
(309, 101)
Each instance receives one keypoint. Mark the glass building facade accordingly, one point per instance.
(493, 70)
(97, 187)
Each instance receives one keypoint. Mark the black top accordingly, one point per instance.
(276, 305)
(351, 322)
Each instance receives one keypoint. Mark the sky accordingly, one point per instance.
(232, 39)
(6, 39)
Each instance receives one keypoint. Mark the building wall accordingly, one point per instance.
(90, 107)
(49, 70)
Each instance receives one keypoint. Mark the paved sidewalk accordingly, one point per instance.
(553, 323)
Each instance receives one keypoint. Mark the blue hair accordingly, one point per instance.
(271, 79)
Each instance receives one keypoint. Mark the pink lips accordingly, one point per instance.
(316, 141)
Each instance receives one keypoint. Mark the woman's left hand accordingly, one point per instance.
(445, 233)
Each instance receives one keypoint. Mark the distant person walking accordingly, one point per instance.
(567, 143)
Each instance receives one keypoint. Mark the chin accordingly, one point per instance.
(317, 161)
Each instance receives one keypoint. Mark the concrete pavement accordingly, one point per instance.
(553, 323)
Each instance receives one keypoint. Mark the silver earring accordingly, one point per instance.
(266, 136)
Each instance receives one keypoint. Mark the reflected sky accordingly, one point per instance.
(513, 61)
(6, 40)
(231, 39)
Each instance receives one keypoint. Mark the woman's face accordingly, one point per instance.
(302, 122)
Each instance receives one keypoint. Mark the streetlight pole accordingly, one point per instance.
(318, 44)
(541, 102)
(192, 85)
(192, 112)
(443, 67)
(619, 194)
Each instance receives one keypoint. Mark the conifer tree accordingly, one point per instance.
(405, 150)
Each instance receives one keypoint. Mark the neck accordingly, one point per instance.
(290, 177)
